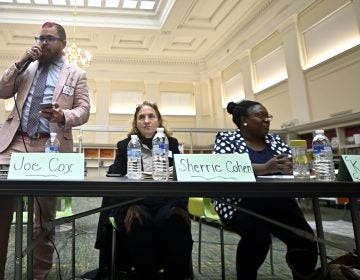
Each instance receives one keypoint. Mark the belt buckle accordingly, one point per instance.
(36, 136)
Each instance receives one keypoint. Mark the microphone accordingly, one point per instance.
(26, 65)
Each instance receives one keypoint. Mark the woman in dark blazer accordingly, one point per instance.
(155, 233)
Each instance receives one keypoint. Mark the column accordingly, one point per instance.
(102, 94)
(246, 70)
(356, 4)
(217, 97)
(296, 80)
(152, 91)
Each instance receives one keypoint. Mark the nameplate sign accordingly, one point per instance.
(213, 167)
(349, 168)
(46, 166)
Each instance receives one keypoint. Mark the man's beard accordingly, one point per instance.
(49, 58)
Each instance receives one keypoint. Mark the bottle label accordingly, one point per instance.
(162, 146)
(160, 149)
(317, 149)
(322, 149)
(52, 149)
(134, 152)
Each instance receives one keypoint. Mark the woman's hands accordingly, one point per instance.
(279, 163)
(182, 213)
(134, 213)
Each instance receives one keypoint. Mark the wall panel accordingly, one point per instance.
(333, 86)
(277, 102)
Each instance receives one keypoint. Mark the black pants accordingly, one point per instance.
(161, 242)
(256, 236)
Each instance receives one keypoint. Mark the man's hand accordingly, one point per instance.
(54, 114)
(34, 53)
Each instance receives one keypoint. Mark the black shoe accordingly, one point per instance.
(96, 274)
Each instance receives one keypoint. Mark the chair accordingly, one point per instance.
(115, 228)
(195, 207)
(64, 209)
(25, 213)
(347, 205)
(211, 217)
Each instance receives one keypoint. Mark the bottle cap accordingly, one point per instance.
(53, 134)
(297, 143)
(134, 136)
(160, 129)
(319, 131)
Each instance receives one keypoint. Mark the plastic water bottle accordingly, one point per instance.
(52, 145)
(134, 158)
(160, 151)
(323, 163)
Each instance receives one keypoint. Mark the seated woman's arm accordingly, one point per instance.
(224, 144)
(278, 164)
(181, 202)
(120, 163)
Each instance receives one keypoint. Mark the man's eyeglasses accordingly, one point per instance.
(264, 117)
(48, 39)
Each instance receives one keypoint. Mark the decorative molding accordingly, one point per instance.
(128, 60)
(236, 38)
(288, 25)
(148, 60)
(9, 56)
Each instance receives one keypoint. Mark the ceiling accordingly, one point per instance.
(175, 31)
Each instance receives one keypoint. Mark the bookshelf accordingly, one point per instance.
(340, 130)
(98, 158)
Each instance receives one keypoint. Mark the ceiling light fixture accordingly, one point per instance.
(74, 53)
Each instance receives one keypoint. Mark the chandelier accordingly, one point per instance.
(74, 53)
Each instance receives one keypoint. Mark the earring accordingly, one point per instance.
(245, 123)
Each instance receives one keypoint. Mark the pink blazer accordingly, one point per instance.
(76, 106)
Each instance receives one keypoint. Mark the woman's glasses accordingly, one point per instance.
(264, 117)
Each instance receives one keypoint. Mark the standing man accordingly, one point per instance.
(48, 78)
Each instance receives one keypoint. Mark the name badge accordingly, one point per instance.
(68, 90)
(349, 168)
(213, 167)
(46, 166)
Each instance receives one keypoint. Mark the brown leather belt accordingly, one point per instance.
(39, 135)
